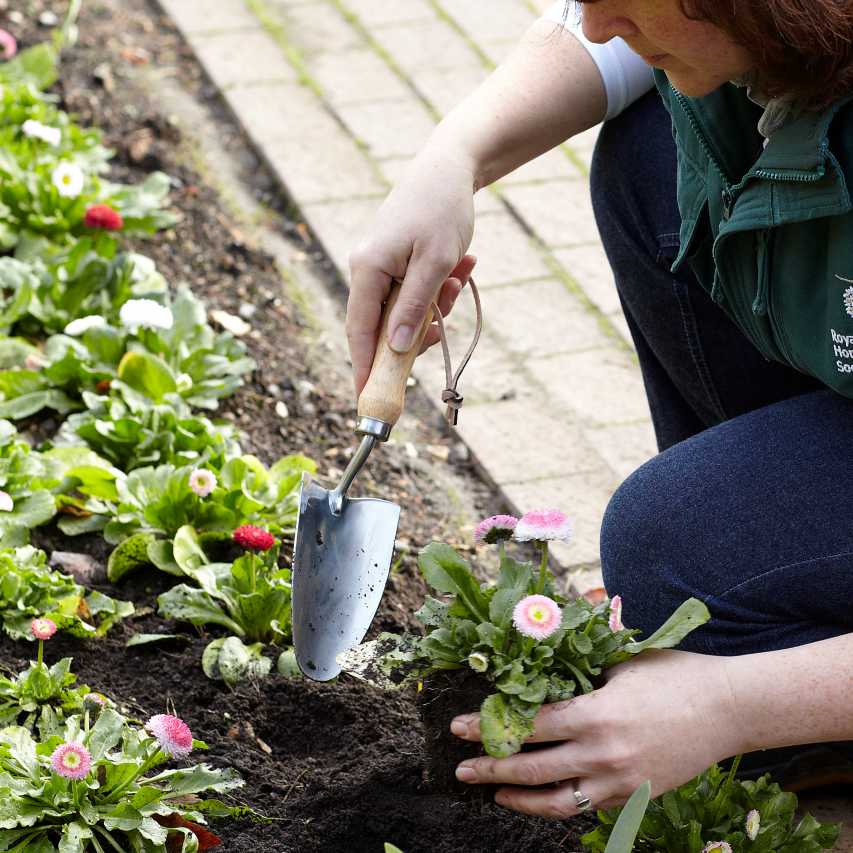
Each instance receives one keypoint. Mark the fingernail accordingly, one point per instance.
(459, 728)
(401, 340)
(465, 774)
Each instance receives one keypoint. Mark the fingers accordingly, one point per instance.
(524, 768)
(558, 802)
(417, 294)
(560, 721)
(369, 289)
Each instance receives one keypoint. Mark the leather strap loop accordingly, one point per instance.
(450, 395)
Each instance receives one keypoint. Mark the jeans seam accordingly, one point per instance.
(695, 347)
(775, 569)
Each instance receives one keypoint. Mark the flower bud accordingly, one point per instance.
(478, 661)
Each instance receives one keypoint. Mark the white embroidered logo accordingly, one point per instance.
(848, 295)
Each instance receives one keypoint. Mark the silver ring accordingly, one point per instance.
(583, 803)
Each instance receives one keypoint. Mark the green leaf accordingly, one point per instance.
(628, 825)
(150, 639)
(287, 665)
(74, 837)
(444, 570)
(229, 660)
(147, 374)
(502, 729)
(105, 734)
(188, 604)
(188, 553)
(31, 511)
(130, 555)
(691, 615)
(390, 848)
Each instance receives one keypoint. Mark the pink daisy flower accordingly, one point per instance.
(174, 734)
(6, 502)
(543, 525)
(753, 824)
(71, 760)
(495, 528)
(8, 45)
(202, 482)
(537, 616)
(616, 614)
(42, 629)
(722, 846)
(253, 538)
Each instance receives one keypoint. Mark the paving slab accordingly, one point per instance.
(379, 74)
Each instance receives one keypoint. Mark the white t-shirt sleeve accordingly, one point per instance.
(626, 76)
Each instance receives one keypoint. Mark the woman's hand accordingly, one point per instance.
(420, 236)
(665, 716)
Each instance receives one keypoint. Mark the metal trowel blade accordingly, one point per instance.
(340, 567)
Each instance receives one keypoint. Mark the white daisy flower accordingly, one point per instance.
(82, 324)
(68, 178)
(202, 482)
(36, 130)
(6, 503)
(145, 313)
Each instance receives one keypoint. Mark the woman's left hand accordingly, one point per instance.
(665, 716)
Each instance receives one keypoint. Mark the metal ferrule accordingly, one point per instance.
(380, 430)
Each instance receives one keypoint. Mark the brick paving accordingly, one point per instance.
(338, 95)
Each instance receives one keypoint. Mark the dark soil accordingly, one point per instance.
(338, 766)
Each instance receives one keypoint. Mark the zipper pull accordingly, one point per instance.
(717, 294)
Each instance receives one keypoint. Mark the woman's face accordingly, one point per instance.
(697, 57)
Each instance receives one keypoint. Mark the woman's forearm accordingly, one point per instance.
(794, 696)
(546, 91)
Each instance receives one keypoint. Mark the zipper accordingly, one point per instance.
(796, 174)
(697, 130)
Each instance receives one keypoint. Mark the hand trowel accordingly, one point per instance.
(343, 548)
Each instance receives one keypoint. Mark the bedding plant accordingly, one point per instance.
(518, 639)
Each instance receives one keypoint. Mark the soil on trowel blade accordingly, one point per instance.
(336, 767)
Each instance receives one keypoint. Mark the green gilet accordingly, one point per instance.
(769, 231)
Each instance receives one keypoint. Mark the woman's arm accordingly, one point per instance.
(667, 716)
(546, 91)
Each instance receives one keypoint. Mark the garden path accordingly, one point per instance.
(338, 95)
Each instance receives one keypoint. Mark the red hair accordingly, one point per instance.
(803, 48)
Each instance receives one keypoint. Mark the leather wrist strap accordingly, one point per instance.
(451, 395)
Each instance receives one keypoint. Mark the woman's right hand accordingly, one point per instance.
(419, 235)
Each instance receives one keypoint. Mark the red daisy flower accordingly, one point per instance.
(253, 538)
(103, 216)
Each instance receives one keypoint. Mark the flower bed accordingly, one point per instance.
(336, 766)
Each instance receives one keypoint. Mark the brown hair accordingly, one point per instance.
(802, 47)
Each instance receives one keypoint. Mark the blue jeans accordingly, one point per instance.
(747, 506)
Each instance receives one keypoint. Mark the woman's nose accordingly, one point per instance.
(606, 19)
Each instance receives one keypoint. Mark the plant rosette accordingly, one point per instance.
(520, 636)
(162, 514)
(51, 172)
(177, 352)
(717, 813)
(251, 598)
(42, 697)
(29, 589)
(24, 503)
(105, 787)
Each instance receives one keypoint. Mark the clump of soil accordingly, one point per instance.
(337, 767)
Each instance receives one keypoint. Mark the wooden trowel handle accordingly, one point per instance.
(383, 395)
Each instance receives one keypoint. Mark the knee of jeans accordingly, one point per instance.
(639, 552)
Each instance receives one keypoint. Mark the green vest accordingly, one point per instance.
(769, 232)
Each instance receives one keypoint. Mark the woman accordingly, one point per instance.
(733, 280)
